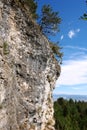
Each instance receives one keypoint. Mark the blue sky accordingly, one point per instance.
(73, 38)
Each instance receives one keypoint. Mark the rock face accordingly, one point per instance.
(28, 71)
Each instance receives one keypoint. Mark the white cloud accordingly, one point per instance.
(71, 34)
(62, 37)
(78, 30)
(76, 88)
(73, 73)
(76, 47)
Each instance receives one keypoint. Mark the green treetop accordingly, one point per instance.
(84, 17)
(49, 20)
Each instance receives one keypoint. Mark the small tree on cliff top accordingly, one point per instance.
(49, 21)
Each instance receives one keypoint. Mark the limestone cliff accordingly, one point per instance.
(28, 71)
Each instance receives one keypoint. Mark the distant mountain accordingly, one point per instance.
(74, 97)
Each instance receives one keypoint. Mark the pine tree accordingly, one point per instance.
(49, 20)
(84, 17)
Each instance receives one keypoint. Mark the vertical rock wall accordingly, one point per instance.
(28, 71)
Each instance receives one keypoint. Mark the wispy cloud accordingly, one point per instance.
(72, 33)
(78, 30)
(62, 37)
(73, 72)
(76, 47)
(76, 88)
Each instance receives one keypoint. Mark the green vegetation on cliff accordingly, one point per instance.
(48, 21)
(32, 7)
(70, 115)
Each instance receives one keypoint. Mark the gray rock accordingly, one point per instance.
(28, 72)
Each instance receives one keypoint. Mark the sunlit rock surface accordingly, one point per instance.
(28, 71)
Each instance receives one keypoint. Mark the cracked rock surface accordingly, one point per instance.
(28, 72)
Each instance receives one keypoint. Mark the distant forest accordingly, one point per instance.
(70, 115)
